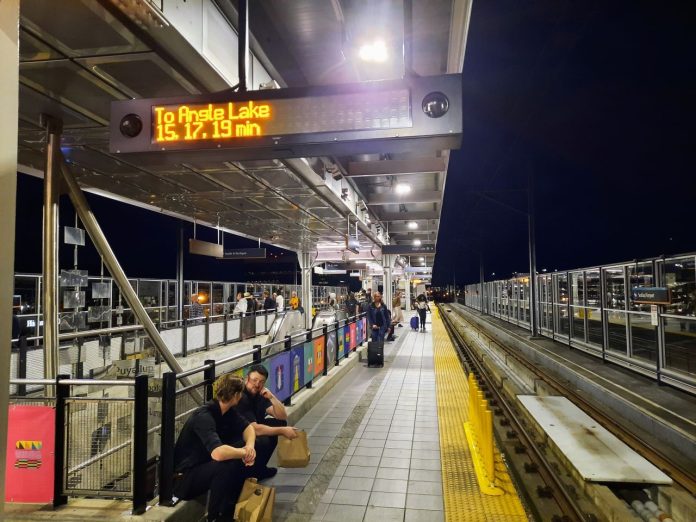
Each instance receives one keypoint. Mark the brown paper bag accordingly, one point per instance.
(293, 453)
(255, 503)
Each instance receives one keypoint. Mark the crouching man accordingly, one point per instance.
(203, 463)
(256, 404)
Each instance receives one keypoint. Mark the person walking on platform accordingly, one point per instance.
(422, 308)
(268, 302)
(396, 307)
(196, 310)
(256, 403)
(202, 462)
(280, 302)
(352, 305)
(294, 301)
(378, 317)
(251, 303)
(241, 307)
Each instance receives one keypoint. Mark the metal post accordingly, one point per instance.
(387, 263)
(407, 294)
(207, 333)
(408, 38)
(326, 346)
(9, 94)
(209, 378)
(483, 278)
(243, 44)
(257, 353)
(50, 244)
(140, 445)
(97, 235)
(184, 338)
(22, 365)
(62, 393)
(167, 439)
(532, 256)
(180, 272)
(305, 261)
(288, 346)
(309, 340)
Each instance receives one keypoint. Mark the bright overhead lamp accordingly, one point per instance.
(421, 259)
(402, 188)
(412, 225)
(416, 242)
(375, 52)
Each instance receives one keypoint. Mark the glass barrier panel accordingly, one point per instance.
(616, 326)
(643, 337)
(680, 344)
(615, 288)
(679, 275)
(640, 274)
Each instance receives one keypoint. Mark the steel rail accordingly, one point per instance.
(680, 475)
(566, 504)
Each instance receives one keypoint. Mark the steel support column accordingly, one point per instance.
(387, 267)
(51, 206)
(533, 298)
(9, 94)
(407, 295)
(182, 298)
(305, 260)
(102, 245)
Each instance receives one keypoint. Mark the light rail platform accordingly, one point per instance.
(389, 444)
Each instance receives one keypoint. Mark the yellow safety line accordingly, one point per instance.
(460, 490)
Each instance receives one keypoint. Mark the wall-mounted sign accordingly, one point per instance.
(204, 248)
(419, 269)
(382, 116)
(651, 295)
(244, 253)
(408, 249)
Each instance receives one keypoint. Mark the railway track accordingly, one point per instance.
(567, 507)
(684, 477)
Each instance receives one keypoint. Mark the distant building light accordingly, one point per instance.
(403, 188)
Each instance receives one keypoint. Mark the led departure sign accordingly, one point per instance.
(251, 118)
(385, 116)
(209, 121)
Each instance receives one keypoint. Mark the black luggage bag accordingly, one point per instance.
(375, 354)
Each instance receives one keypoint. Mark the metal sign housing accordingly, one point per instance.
(380, 116)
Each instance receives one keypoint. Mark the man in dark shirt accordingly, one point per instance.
(378, 318)
(255, 404)
(202, 462)
(268, 302)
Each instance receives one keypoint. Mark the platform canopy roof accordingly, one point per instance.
(79, 56)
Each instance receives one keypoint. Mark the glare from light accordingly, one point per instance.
(416, 242)
(402, 188)
(421, 259)
(375, 52)
(412, 225)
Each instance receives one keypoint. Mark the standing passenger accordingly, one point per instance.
(280, 301)
(268, 302)
(241, 307)
(378, 317)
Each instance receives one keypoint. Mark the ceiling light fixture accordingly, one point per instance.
(412, 225)
(416, 242)
(375, 52)
(402, 188)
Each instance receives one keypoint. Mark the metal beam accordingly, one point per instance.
(417, 196)
(394, 167)
(9, 94)
(49, 282)
(408, 216)
(305, 260)
(104, 249)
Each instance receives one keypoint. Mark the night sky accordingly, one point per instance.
(595, 99)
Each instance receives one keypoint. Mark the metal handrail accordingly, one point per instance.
(81, 382)
(42, 382)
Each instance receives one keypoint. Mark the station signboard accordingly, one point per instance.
(412, 250)
(380, 116)
(651, 295)
(244, 253)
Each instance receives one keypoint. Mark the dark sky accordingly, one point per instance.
(596, 99)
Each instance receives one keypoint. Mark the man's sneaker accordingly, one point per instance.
(267, 473)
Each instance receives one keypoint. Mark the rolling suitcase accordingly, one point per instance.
(375, 354)
(414, 322)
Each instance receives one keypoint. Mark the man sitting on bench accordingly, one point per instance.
(256, 403)
(202, 462)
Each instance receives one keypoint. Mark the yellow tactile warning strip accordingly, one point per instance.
(462, 497)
